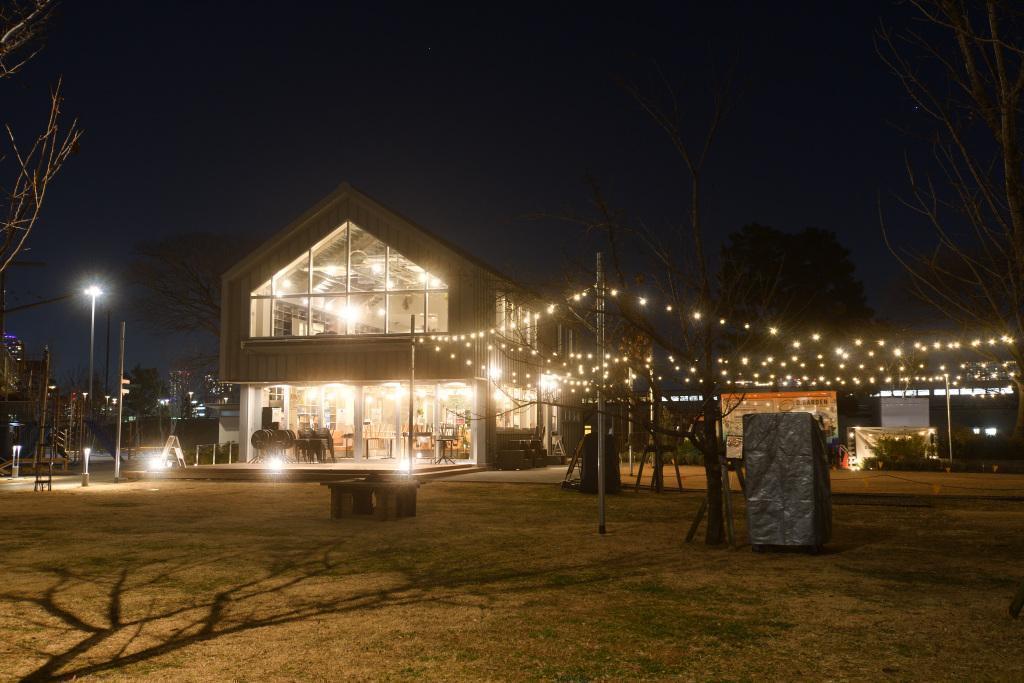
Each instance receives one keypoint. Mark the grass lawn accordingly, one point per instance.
(229, 581)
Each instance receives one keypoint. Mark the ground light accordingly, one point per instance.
(15, 461)
(85, 465)
(276, 465)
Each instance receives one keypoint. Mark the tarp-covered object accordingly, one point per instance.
(789, 499)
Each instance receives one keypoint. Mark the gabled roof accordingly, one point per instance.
(346, 203)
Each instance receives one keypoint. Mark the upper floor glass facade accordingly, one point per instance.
(350, 283)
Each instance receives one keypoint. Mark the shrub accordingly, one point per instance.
(970, 446)
(911, 452)
(687, 454)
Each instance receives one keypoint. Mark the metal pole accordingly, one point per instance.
(600, 397)
(412, 388)
(41, 444)
(629, 423)
(120, 409)
(106, 364)
(92, 340)
(949, 422)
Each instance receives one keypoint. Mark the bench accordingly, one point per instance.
(385, 499)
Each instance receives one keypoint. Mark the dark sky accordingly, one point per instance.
(238, 116)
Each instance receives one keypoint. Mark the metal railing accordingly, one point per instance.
(217, 449)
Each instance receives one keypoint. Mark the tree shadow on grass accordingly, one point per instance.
(116, 634)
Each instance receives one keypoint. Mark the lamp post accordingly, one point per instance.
(92, 291)
(15, 461)
(85, 465)
(601, 464)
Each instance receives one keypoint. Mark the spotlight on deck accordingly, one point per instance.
(276, 465)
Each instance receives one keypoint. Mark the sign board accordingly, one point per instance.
(903, 411)
(821, 404)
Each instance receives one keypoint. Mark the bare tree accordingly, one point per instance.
(177, 281)
(36, 164)
(963, 68)
(674, 265)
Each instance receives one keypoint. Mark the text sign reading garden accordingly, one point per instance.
(821, 404)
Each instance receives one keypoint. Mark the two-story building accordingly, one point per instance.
(318, 325)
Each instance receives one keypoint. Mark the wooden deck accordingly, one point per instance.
(297, 472)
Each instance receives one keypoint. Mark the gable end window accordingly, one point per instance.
(350, 283)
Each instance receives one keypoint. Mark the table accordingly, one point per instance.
(385, 499)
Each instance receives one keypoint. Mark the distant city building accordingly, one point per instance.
(15, 347)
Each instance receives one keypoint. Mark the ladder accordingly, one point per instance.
(172, 445)
(557, 449)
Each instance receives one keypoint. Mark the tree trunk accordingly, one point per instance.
(713, 474)
(1018, 428)
(658, 475)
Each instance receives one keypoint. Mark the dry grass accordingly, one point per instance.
(203, 581)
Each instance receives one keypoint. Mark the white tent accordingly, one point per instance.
(866, 438)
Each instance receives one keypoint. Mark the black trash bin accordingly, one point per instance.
(588, 475)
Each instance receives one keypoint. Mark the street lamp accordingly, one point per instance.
(92, 291)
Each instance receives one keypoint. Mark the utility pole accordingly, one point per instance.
(120, 409)
(949, 422)
(600, 397)
(41, 444)
(106, 364)
(412, 388)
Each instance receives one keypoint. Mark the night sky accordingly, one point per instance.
(238, 116)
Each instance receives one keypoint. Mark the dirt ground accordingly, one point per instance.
(231, 581)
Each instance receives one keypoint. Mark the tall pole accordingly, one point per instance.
(92, 342)
(106, 364)
(412, 388)
(120, 408)
(629, 423)
(41, 444)
(949, 421)
(600, 397)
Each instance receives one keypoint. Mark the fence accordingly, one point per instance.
(212, 453)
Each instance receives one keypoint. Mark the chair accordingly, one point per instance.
(445, 442)
(325, 445)
(380, 435)
(344, 441)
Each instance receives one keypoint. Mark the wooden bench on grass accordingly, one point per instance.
(385, 499)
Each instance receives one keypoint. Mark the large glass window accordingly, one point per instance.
(330, 264)
(402, 308)
(350, 283)
(515, 322)
(368, 257)
(516, 407)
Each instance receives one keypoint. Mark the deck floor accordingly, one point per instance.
(262, 471)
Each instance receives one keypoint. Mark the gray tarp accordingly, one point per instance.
(789, 499)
